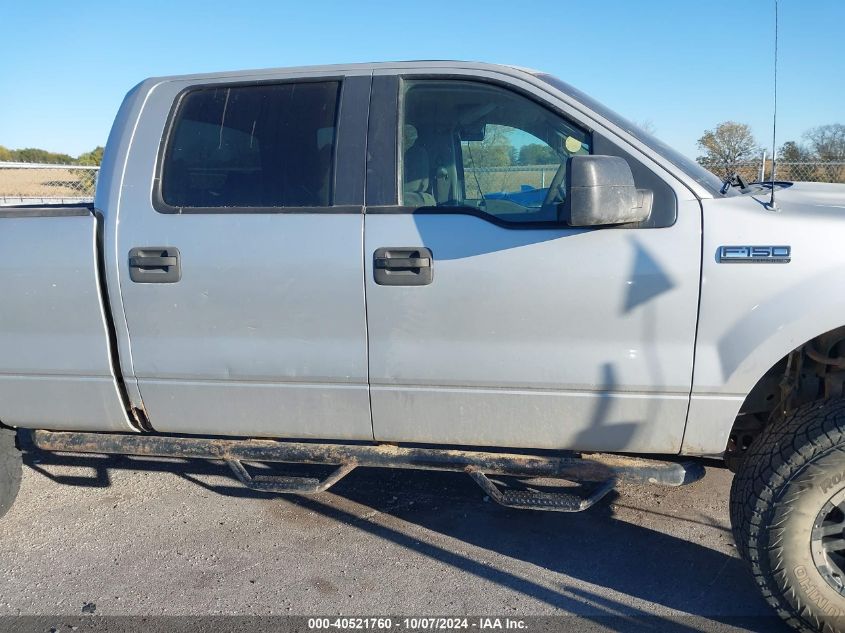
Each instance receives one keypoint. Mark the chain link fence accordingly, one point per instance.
(486, 180)
(807, 171)
(785, 170)
(40, 183)
(526, 177)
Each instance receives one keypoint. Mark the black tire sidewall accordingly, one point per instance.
(742, 487)
(783, 549)
(11, 467)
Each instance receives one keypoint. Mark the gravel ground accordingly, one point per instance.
(132, 536)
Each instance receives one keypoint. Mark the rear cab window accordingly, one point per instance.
(256, 146)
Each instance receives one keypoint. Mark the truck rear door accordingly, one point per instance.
(240, 262)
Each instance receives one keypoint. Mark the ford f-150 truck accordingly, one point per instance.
(361, 265)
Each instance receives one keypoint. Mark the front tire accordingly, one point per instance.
(11, 466)
(788, 515)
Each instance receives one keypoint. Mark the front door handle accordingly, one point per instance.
(403, 266)
(398, 263)
(154, 265)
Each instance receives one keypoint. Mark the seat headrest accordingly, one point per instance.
(409, 136)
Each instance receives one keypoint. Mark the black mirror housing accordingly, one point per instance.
(473, 132)
(600, 190)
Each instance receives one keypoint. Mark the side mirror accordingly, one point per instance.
(600, 190)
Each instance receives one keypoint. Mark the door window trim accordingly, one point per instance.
(396, 209)
(347, 195)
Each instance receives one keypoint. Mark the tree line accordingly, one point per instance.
(730, 145)
(35, 155)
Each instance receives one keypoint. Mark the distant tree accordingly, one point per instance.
(495, 150)
(35, 155)
(5, 154)
(537, 154)
(793, 152)
(827, 142)
(94, 157)
(726, 146)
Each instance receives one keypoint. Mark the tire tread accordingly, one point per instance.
(782, 451)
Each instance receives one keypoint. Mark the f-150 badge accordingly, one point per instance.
(755, 254)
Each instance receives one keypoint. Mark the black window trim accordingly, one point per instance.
(537, 225)
(345, 118)
(375, 159)
(382, 166)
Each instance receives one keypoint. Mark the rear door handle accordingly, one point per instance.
(403, 266)
(154, 265)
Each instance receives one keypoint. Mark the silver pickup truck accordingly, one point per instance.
(441, 265)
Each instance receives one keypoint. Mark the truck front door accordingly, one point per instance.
(490, 322)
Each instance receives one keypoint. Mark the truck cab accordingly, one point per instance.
(288, 198)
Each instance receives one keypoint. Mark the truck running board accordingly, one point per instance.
(288, 485)
(537, 500)
(604, 469)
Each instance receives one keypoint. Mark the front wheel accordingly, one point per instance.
(788, 502)
(11, 466)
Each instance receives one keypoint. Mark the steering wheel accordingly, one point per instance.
(555, 196)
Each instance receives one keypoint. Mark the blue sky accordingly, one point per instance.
(682, 65)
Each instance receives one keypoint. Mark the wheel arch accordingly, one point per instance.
(785, 372)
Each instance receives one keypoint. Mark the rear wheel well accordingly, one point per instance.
(811, 372)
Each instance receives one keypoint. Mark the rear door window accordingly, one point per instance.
(252, 146)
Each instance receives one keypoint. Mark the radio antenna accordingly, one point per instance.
(772, 206)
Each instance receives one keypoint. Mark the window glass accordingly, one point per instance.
(469, 144)
(253, 146)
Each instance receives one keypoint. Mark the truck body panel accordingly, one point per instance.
(55, 363)
(535, 338)
(264, 334)
(752, 315)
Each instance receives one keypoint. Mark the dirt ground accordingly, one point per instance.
(132, 536)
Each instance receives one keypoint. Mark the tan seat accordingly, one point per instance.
(416, 170)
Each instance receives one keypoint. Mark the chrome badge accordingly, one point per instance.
(755, 254)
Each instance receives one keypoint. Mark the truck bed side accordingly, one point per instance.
(55, 356)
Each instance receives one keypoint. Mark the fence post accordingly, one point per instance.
(763, 167)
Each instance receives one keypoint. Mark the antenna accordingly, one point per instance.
(772, 206)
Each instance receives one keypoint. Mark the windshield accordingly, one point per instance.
(706, 179)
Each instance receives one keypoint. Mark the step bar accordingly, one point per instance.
(601, 468)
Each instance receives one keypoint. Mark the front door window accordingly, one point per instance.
(474, 145)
